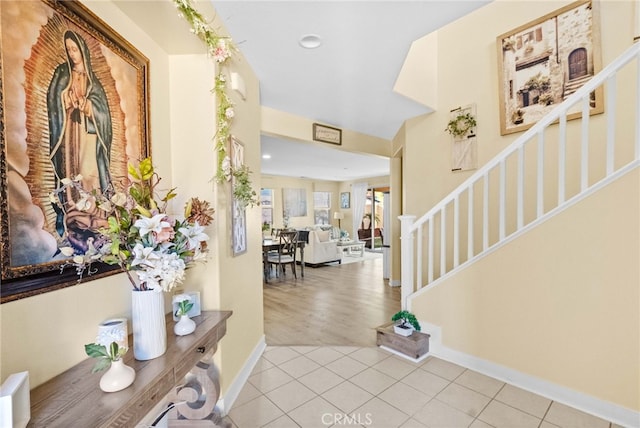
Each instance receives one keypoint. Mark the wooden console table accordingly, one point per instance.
(74, 398)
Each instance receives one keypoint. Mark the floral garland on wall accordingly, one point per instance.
(221, 49)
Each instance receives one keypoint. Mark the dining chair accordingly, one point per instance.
(286, 254)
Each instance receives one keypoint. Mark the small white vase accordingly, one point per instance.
(148, 322)
(184, 326)
(118, 377)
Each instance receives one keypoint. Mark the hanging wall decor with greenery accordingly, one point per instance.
(221, 49)
(460, 125)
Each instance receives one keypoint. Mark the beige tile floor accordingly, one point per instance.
(308, 386)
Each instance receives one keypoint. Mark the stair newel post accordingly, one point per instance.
(406, 258)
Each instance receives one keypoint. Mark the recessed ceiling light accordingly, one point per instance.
(310, 41)
(265, 156)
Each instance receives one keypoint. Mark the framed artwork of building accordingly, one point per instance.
(543, 62)
(74, 99)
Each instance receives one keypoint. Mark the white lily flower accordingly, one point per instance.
(153, 224)
(144, 256)
(78, 260)
(194, 235)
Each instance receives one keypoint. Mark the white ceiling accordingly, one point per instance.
(295, 159)
(347, 82)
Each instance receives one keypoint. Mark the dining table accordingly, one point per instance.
(269, 244)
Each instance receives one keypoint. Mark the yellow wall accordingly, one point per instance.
(556, 302)
(467, 73)
(565, 311)
(45, 334)
(297, 128)
(277, 183)
(225, 282)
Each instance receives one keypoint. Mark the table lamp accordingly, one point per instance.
(338, 216)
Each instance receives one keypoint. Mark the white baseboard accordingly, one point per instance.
(395, 282)
(578, 400)
(225, 403)
(406, 357)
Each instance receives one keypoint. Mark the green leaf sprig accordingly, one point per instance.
(105, 358)
(221, 48)
(407, 318)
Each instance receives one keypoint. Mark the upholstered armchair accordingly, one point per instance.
(320, 248)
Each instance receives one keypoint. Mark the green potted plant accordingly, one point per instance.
(185, 325)
(109, 356)
(405, 324)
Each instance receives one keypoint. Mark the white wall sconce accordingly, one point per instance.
(237, 84)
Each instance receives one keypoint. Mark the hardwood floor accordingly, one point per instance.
(331, 305)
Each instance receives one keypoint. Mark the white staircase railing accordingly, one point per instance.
(520, 187)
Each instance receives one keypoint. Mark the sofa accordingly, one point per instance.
(321, 248)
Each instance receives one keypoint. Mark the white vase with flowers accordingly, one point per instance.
(109, 356)
(152, 247)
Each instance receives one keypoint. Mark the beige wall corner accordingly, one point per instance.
(418, 78)
(298, 128)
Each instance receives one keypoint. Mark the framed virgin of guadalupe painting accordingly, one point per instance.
(74, 103)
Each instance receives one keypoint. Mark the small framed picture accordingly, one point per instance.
(327, 134)
(345, 201)
(266, 197)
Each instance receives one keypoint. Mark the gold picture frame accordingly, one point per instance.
(544, 61)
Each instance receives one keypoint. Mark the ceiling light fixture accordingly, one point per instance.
(310, 41)
(265, 156)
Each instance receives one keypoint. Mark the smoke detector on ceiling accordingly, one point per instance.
(310, 41)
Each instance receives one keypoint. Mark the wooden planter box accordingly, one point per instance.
(415, 346)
